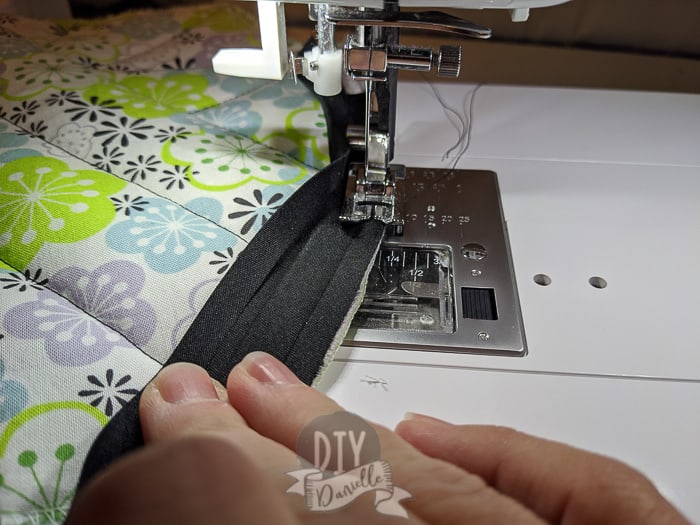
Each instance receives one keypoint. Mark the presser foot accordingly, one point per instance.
(371, 196)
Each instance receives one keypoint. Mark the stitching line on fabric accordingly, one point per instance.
(286, 155)
(128, 181)
(248, 93)
(46, 142)
(2, 259)
(254, 89)
(48, 287)
(102, 323)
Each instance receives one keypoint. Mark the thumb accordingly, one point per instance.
(183, 400)
(197, 468)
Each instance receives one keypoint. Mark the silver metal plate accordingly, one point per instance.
(446, 282)
(409, 290)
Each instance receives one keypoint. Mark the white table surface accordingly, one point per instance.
(593, 183)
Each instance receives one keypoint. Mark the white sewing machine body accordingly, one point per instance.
(594, 184)
(600, 193)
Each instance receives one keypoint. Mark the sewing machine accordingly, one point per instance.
(600, 190)
(443, 279)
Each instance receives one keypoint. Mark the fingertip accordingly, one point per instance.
(265, 369)
(415, 427)
(272, 400)
(185, 383)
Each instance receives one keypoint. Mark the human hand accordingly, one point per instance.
(218, 455)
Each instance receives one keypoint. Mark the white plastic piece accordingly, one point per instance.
(269, 62)
(352, 86)
(520, 15)
(325, 70)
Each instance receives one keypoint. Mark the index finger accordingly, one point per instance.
(560, 483)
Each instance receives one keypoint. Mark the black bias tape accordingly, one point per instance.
(287, 294)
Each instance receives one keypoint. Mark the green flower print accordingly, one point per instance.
(42, 200)
(223, 162)
(29, 77)
(149, 97)
(41, 450)
(52, 507)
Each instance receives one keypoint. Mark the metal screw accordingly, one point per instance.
(484, 336)
(476, 273)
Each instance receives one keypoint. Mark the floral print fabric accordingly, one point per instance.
(131, 177)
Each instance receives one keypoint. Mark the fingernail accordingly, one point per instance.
(412, 416)
(184, 383)
(267, 369)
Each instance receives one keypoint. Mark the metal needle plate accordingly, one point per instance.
(446, 282)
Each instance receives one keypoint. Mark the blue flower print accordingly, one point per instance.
(291, 174)
(240, 86)
(286, 94)
(210, 209)
(13, 396)
(170, 237)
(232, 116)
(11, 142)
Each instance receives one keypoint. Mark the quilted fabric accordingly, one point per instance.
(131, 177)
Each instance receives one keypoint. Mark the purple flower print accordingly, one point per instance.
(87, 314)
(71, 336)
